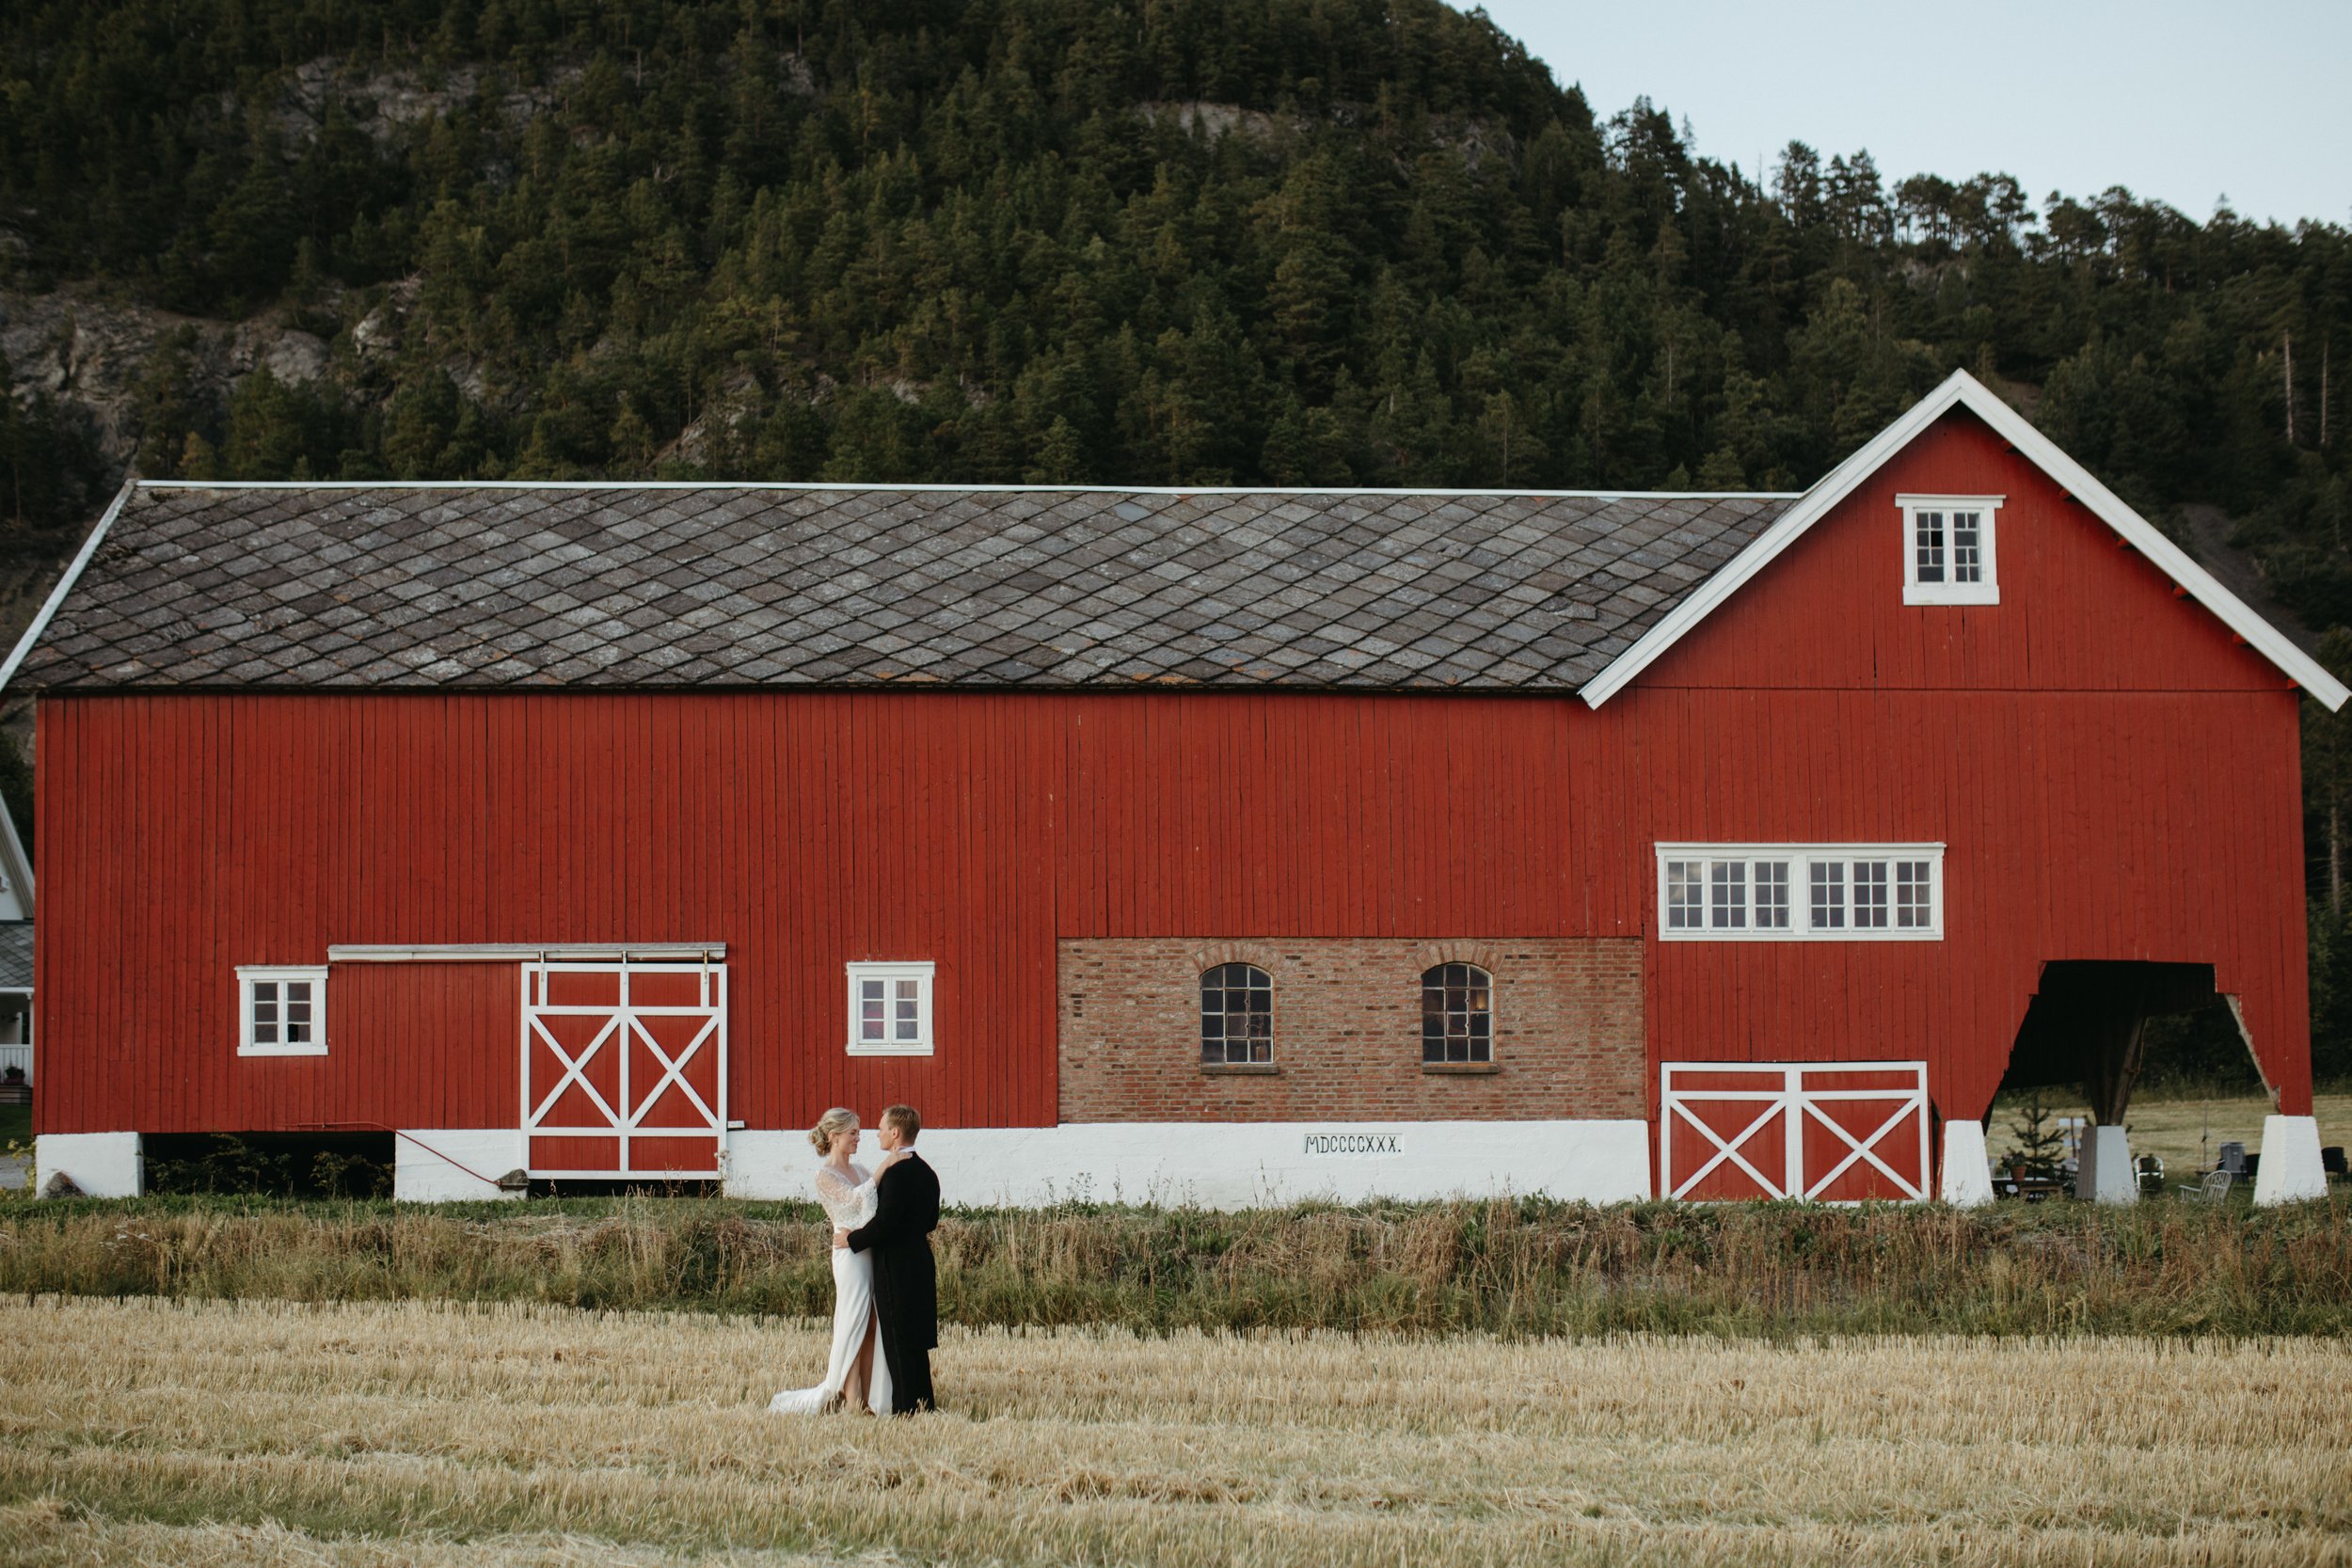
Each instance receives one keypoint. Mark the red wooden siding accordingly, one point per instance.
(2112, 775)
(2078, 612)
(973, 830)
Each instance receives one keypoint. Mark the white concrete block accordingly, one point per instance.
(2105, 1171)
(1966, 1181)
(762, 1164)
(454, 1165)
(1241, 1164)
(2289, 1169)
(103, 1164)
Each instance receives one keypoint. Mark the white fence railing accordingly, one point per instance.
(17, 1056)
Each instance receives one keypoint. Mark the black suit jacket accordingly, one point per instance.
(906, 1285)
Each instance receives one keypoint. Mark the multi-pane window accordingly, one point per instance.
(1828, 907)
(1727, 895)
(1457, 1014)
(1870, 896)
(890, 1009)
(1686, 895)
(1948, 549)
(1733, 893)
(283, 1011)
(1236, 1015)
(1927, 546)
(1915, 895)
(1771, 896)
(1747, 892)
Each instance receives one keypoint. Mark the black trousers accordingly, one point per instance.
(910, 1361)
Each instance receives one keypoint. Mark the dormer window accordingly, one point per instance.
(1948, 549)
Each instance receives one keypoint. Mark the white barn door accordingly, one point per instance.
(625, 1070)
(1829, 1131)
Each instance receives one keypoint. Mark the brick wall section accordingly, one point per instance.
(1568, 1032)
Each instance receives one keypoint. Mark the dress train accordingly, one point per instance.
(857, 1353)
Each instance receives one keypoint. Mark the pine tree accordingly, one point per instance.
(2040, 1143)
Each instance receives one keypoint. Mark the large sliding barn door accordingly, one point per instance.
(1831, 1131)
(625, 1068)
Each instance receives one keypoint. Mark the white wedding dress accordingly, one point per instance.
(854, 1338)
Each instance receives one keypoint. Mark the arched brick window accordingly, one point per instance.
(1457, 1014)
(1236, 1015)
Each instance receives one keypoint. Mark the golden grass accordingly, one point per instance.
(250, 1432)
(1515, 1268)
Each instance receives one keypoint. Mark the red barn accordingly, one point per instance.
(1214, 846)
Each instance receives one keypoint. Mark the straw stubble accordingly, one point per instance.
(260, 1432)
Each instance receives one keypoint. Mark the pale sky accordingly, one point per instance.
(2182, 102)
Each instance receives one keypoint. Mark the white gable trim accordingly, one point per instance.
(65, 584)
(1965, 391)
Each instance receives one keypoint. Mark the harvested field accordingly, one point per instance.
(264, 1432)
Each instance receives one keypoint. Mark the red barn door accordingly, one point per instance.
(1829, 1131)
(625, 1068)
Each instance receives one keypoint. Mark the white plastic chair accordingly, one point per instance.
(2214, 1187)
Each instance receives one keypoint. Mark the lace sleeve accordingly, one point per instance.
(846, 1205)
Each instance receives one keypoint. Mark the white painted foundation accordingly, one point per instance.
(2105, 1171)
(454, 1165)
(103, 1164)
(2289, 1169)
(1241, 1164)
(1966, 1181)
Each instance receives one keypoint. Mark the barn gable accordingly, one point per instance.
(1934, 419)
(2068, 607)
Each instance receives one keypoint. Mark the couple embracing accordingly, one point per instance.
(885, 1297)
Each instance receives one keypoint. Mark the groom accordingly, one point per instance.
(906, 1291)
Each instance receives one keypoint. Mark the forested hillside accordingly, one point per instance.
(1365, 242)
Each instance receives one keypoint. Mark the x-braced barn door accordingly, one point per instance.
(625, 1068)
(1831, 1131)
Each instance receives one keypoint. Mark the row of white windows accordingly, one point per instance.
(1719, 892)
(282, 1009)
(1801, 891)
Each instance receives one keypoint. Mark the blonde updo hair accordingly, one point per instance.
(830, 1126)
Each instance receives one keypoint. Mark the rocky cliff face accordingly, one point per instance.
(88, 352)
(93, 355)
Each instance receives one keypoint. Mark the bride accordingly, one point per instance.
(856, 1373)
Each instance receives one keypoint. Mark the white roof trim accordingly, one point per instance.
(935, 489)
(1962, 390)
(64, 585)
(550, 951)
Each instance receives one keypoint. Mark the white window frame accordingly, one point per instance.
(280, 975)
(887, 972)
(1987, 589)
(1800, 858)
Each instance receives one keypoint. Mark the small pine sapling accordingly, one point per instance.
(2040, 1142)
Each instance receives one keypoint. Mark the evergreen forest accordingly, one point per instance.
(1292, 242)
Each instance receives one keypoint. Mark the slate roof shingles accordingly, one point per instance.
(485, 587)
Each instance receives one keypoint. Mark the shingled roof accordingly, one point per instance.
(488, 586)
